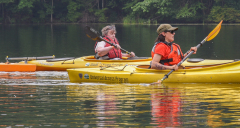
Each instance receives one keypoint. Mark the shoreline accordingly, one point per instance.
(126, 23)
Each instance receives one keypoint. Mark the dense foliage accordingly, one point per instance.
(119, 11)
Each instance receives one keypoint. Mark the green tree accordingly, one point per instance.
(100, 14)
(154, 9)
(83, 10)
(173, 10)
(74, 10)
(116, 9)
(227, 14)
(227, 10)
(127, 11)
(3, 2)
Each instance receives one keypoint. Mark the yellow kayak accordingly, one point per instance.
(223, 73)
(62, 64)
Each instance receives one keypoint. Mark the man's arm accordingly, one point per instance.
(101, 49)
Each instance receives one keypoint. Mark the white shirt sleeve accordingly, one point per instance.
(100, 44)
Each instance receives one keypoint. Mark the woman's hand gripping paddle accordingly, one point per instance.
(210, 36)
(94, 35)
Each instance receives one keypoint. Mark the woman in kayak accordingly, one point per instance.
(104, 50)
(165, 53)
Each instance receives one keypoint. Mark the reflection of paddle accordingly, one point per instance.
(94, 35)
(210, 36)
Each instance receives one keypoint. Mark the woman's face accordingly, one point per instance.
(111, 34)
(169, 36)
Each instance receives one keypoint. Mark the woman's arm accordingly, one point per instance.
(156, 65)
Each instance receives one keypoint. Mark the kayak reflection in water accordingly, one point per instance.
(106, 109)
(166, 108)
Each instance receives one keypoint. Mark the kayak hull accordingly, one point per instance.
(17, 67)
(225, 73)
(91, 62)
(84, 62)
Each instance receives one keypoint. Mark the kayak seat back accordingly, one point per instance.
(89, 58)
(137, 58)
(195, 60)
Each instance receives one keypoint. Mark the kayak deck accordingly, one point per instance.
(62, 64)
(225, 73)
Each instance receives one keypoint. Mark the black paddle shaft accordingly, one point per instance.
(94, 35)
(199, 45)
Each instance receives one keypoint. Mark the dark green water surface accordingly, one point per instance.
(70, 40)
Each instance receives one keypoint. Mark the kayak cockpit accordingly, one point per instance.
(125, 59)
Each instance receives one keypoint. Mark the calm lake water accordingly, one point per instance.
(48, 99)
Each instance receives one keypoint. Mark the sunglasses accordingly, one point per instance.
(110, 28)
(171, 31)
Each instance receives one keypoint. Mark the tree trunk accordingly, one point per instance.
(2, 12)
(102, 4)
(98, 4)
(203, 13)
(52, 11)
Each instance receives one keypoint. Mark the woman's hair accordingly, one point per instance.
(107, 28)
(160, 38)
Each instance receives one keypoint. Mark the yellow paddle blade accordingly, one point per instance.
(214, 32)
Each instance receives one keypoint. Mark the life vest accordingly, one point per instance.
(175, 55)
(113, 53)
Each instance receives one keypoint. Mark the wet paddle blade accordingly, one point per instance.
(214, 32)
(93, 34)
(158, 82)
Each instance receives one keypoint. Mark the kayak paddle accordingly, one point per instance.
(94, 35)
(210, 36)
